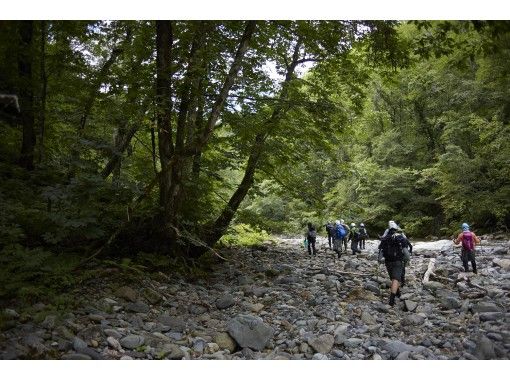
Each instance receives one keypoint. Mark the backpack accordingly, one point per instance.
(393, 245)
(329, 228)
(312, 234)
(340, 232)
(468, 241)
(363, 232)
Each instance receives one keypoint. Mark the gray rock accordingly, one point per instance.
(450, 303)
(152, 296)
(259, 292)
(492, 316)
(322, 344)
(319, 356)
(403, 356)
(171, 351)
(367, 318)
(175, 323)
(413, 320)
(502, 263)
(410, 305)
(114, 343)
(250, 331)
(127, 293)
(199, 345)
(11, 314)
(138, 307)
(132, 341)
(225, 302)
(353, 342)
(76, 357)
(484, 348)
(340, 338)
(49, 322)
(113, 333)
(225, 342)
(485, 307)
(395, 347)
(197, 309)
(433, 285)
(79, 344)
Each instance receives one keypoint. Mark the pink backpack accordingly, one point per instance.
(468, 241)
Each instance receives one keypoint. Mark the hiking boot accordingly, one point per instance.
(392, 299)
(398, 294)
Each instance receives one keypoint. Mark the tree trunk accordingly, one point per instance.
(26, 94)
(217, 229)
(44, 89)
(164, 41)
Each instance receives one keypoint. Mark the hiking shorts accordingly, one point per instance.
(395, 269)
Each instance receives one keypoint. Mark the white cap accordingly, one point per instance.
(337, 222)
(342, 221)
(353, 224)
(392, 224)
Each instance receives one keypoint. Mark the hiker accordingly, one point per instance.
(330, 230)
(391, 250)
(311, 236)
(354, 237)
(469, 241)
(344, 240)
(363, 235)
(339, 233)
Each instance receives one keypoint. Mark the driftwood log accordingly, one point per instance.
(430, 270)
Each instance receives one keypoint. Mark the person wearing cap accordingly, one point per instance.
(363, 235)
(344, 240)
(469, 241)
(353, 238)
(391, 249)
(339, 232)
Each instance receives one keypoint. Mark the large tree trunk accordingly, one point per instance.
(44, 90)
(164, 41)
(214, 231)
(26, 94)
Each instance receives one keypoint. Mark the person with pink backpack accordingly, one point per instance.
(469, 241)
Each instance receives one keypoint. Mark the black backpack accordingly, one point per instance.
(392, 247)
(363, 232)
(312, 234)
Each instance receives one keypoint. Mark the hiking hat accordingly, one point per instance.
(337, 222)
(361, 225)
(392, 224)
(353, 224)
(342, 221)
(465, 227)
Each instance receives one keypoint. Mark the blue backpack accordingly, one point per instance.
(340, 232)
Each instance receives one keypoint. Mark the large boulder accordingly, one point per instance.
(250, 331)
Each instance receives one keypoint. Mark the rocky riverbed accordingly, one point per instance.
(276, 302)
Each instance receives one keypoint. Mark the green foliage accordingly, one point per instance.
(245, 236)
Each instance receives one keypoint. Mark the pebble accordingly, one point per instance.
(292, 306)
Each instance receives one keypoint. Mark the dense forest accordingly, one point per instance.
(165, 140)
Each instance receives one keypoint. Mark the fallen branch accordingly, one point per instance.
(430, 269)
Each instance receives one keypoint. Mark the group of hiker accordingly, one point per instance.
(394, 248)
(339, 235)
